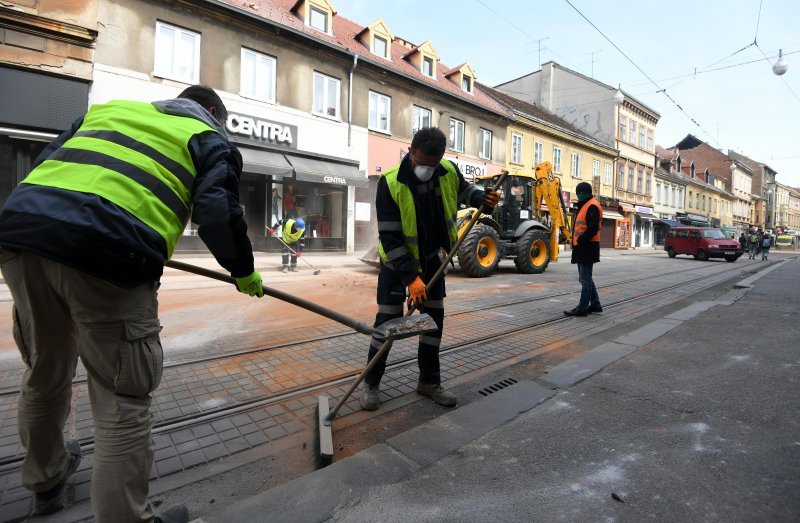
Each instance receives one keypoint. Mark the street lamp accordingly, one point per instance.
(780, 66)
(618, 96)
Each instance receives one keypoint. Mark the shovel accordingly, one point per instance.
(326, 444)
(316, 271)
(395, 329)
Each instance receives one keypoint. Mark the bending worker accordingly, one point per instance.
(416, 206)
(293, 242)
(84, 241)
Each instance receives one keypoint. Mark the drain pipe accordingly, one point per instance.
(350, 103)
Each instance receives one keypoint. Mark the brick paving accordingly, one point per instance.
(194, 393)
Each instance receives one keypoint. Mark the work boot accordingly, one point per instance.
(370, 397)
(576, 312)
(174, 514)
(285, 269)
(294, 268)
(437, 394)
(595, 308)
(53, 500)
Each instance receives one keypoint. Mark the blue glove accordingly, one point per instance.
(251, 285)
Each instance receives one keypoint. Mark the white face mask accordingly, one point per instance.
(424, 172)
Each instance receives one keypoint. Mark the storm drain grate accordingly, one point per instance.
(500, 385)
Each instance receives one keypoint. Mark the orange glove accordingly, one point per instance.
(491, 198)
(416, 292)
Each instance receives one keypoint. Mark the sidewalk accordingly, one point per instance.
(692, 417)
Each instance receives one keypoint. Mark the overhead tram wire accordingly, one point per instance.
(660, 89)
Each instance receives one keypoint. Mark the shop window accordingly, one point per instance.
(258, 76)
(321, 206)
(177, 54)
(420, 119)
(326, 96)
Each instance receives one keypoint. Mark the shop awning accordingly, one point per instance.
(310, 170)
(611, 215)
(671, 223)
(265, 162)
(627, 208)
(646, 216)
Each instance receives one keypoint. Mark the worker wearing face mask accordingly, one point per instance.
(586, 249)
(416, 204)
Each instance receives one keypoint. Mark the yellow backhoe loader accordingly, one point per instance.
(517, 229)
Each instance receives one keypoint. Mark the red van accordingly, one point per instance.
(702, 243)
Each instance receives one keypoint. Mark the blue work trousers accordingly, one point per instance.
(589, 296)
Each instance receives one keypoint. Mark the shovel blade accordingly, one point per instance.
(406, 327)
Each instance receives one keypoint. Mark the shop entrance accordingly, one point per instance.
(322, 206)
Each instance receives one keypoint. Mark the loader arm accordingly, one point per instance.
(548, 188)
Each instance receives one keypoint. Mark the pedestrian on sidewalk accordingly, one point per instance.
(84, 239)
(766, 243)
(752, 244)
(586, 249)
(416, 204)
(743, 242)
(291, 234)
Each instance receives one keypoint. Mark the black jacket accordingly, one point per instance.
(588, 251)
(91, 234)
(431, 223)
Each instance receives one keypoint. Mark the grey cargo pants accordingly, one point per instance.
(61, 314)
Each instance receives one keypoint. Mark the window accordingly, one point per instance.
(258, 76)
(596, 170)
(608, 174)
(640, 180)
(318, 19)
(556, 159)
(630, 178)
(427, 66)
(648, 184)
(516, 148)
(632, 135)
(538, 153)
(621, 176)
(679, 201)
(379, 109)
(456, 135)
(177, 54)
(704, 202)
(486, 144)
(380, 46)
(623, 128)
(576, 165)
(690, 198)
(641, 136)
(466, 83)
(650, 140)
(326, 96)
(658, 193)
(421, 118)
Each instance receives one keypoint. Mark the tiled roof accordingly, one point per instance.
(344, 36)
(537, 112)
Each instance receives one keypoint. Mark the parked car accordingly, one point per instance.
(702, 243)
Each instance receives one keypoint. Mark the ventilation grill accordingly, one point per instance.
(500, 385)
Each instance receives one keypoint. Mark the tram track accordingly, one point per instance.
(11, 391)
(223, 411)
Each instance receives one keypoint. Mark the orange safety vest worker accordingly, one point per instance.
(580, 222)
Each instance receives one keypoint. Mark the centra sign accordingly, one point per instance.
(262, 131)
(334, 179)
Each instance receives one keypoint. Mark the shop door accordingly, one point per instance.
(253, 199)
(16, 159)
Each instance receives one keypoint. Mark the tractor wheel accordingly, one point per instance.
(533, 252)
(479, 255)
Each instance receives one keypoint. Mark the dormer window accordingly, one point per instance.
(691, 170)
(427, 66)
(318, 19)
(380, 46)
(466, 83)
